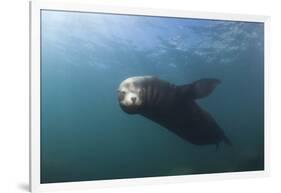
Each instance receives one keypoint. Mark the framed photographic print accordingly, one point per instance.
(123, 96)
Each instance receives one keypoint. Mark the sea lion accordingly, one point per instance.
(173, 107)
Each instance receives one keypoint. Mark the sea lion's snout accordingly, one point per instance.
(129, 98)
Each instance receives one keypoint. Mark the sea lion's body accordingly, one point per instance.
(174, 107)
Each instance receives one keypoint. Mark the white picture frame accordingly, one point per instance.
(36, 7)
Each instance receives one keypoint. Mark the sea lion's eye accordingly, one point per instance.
(122, 93)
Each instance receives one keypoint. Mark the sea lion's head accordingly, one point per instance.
(130, 94)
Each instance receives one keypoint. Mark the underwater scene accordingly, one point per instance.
(86, 135)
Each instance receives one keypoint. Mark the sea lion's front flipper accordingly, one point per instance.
(200, 88)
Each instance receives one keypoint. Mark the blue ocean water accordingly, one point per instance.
(84, 57)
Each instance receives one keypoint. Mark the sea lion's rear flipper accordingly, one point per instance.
(227, 141)
(200, 88)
